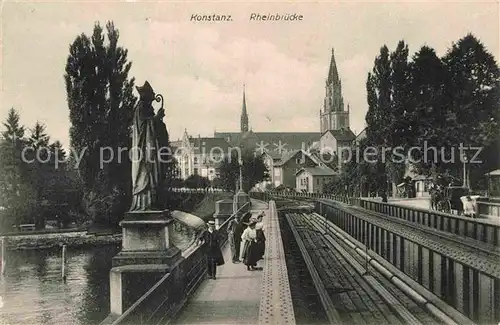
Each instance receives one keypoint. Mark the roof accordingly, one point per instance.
(324, 157)
(288, 140)
(176, 144)
(287, 156)
(361, 135)
(273, 154)
(493, 173)
(318, 171)
(205, 144)
(333, 74)
(342, 134)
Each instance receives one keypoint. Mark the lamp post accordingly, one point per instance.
(464, 159)
(241, 174)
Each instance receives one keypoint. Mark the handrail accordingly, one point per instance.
(233, 215)
(140, 300)
(417, 209)
(136, 304)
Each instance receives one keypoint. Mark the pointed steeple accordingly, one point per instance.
(333, 74)
(244, 114)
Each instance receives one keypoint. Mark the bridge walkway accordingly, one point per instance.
(233, 298)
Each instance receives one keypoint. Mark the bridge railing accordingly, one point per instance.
(471, 289)
(484, 230)
(168, 295)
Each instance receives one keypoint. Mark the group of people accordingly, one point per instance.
(246, 240)
(252, 237)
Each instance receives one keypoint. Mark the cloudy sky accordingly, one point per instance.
(200, 67)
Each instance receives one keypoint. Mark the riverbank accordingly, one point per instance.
(202, 206)
(74, 239)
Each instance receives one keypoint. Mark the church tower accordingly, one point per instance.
(333, 116)
(244, 114)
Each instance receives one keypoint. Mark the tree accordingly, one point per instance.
(197, 181)
(473, 94)
(15, 192)
(38, 142)
(400, 130)
(101, 102)
(57, 152)
(15, 130)
(378, 117)
(428, 117)
(254, 170)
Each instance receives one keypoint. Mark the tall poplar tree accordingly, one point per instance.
(378, 117)
(399, 133)
(100, 100)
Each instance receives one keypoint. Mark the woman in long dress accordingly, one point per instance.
(250, 254)
(261, 238)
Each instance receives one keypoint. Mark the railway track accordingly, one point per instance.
(306, 302)
(347, 293)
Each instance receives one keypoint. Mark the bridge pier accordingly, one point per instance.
(147, 255)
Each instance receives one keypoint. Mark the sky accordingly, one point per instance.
(200, 67)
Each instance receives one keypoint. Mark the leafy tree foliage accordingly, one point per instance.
(32, 187)
(473, 90)
(100, 101)
(254, 170)
(430, 102)
(197, 181)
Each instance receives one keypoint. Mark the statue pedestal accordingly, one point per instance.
(147, 239)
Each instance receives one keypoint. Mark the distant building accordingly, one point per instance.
(282, 168)
(285, 153)
(279, 142)
(314, 179)
(199, 155)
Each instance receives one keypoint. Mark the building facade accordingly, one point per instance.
(334, 118)
(280, 150)
(200, 155)
(313, 179)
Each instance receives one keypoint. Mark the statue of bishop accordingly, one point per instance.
(147, 174)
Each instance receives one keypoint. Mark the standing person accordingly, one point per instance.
(469, 209)
(234, 235)
(250, 253)
(246, 217)
(261, 238)
(260, 223)
(211, 239)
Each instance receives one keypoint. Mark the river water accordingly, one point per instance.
(33, 292)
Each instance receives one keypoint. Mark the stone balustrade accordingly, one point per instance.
(153, 293)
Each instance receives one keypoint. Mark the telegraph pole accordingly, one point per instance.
(241, 174)
(464, 159)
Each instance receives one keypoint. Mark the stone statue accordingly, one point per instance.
(147, 174)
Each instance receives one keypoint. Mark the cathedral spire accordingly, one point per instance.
(333, 74)
(244, 114)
